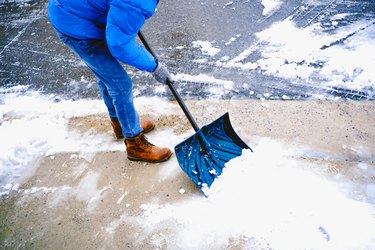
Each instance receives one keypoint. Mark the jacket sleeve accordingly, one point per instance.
(123, 23)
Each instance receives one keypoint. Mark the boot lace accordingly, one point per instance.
(143, 140)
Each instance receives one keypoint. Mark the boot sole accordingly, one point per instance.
(149, 161)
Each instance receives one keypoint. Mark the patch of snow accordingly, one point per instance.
(342, 58)
(202, 78)
(206, 47)
(34, 126)
(232, 40)
(228, 4)
(346, 63)
(121, 198)
(87, 190)
(270, 6)
(155, 105)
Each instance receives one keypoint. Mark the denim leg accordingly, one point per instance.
(114, 83)
(106, 98)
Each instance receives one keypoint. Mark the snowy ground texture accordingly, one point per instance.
(276, 202)
(259, 202)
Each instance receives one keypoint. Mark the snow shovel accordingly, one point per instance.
(203, 155)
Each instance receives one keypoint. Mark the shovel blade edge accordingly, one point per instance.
(203, 155)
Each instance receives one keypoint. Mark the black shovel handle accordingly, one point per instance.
(170, 83)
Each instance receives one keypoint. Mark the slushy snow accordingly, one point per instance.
(263, 201)
(273, 202)
(341, 58)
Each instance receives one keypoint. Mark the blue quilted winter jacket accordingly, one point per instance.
(117, 21)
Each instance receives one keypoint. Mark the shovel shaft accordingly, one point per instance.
(182, 105)
(170, 84)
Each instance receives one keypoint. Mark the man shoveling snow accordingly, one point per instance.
(102, 33)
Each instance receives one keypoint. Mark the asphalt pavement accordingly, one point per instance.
(31, 54)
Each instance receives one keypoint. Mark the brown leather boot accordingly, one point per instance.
(138, 148)
(146, 124)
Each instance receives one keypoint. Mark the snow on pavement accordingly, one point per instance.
(280, 202)
(33, 125)
(266, 199)
(340, 58)
(274, 202)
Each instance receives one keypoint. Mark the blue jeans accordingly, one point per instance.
(114, 83)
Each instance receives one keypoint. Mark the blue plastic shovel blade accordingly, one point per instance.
(203, 155)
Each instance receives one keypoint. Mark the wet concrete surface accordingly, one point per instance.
(31, 54)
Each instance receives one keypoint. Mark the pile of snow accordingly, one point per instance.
(269, 200)
(34, 125)
(343, 57)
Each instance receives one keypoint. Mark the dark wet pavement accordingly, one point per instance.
(31, 54)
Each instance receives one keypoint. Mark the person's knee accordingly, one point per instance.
(121, 92)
